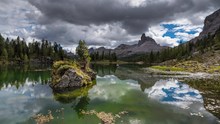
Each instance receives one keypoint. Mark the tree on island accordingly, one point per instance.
(83, 54)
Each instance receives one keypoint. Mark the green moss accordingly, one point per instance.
(57, 64)
(167, 68)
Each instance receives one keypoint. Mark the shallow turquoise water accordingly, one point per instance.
(148, 100)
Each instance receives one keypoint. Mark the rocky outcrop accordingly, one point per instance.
(144, 45)
(67, 75)
(211, 24)
(70, 79)
(145, 39)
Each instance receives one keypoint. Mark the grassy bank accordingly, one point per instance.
(189, 66)
(167, 68)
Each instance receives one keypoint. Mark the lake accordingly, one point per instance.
(25, 92)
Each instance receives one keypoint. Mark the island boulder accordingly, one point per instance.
(69, 75)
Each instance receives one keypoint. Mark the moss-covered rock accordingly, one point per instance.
(67, 75)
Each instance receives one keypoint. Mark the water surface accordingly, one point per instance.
(25, 92)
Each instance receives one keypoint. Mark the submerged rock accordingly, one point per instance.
(106, 118)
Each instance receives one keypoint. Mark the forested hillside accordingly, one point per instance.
(189, 50)
(18, 51)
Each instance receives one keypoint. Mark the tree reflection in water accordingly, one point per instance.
(18, 76)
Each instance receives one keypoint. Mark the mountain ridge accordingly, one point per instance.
(146, 44)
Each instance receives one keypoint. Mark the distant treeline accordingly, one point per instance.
(96, 56)
(17, 50)
(183, 51)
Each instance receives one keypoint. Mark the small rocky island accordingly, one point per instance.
(67, 75)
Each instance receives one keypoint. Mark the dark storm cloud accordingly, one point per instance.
(99, 22)
(134, 19)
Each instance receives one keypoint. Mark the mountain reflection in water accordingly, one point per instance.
(25, 93)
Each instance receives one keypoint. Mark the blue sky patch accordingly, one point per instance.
(170, 28)
(171, 31)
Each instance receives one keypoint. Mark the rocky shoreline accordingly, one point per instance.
(180, 74)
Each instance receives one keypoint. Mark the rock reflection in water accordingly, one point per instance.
(77, 97)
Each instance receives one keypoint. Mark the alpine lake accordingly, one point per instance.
(146, 99)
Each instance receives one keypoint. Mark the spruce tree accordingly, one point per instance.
(83, 54)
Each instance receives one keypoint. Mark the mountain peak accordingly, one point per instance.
(145, 45)
(145, 39)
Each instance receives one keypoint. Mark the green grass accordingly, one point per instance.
(189, 66)
(167, 68)
(214, 69)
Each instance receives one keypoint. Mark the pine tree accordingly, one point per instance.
(2, 45)
(83, 54)
(26, 58)
(5, 55)
(103, 55)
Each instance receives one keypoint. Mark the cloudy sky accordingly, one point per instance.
(104, 22)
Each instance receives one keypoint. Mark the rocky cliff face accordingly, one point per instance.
(145, 44)
(211, 24)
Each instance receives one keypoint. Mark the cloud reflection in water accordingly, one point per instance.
(175, 93)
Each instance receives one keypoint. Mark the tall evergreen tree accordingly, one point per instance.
(83, 54)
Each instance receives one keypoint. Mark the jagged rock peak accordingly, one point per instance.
(145, 39)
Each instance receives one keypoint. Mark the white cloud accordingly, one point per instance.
(185, 36)
(157, 32)
(14, 22)
(16, 103)
(111, 88)
(182, 31)
(137, 3)
(19, 17)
